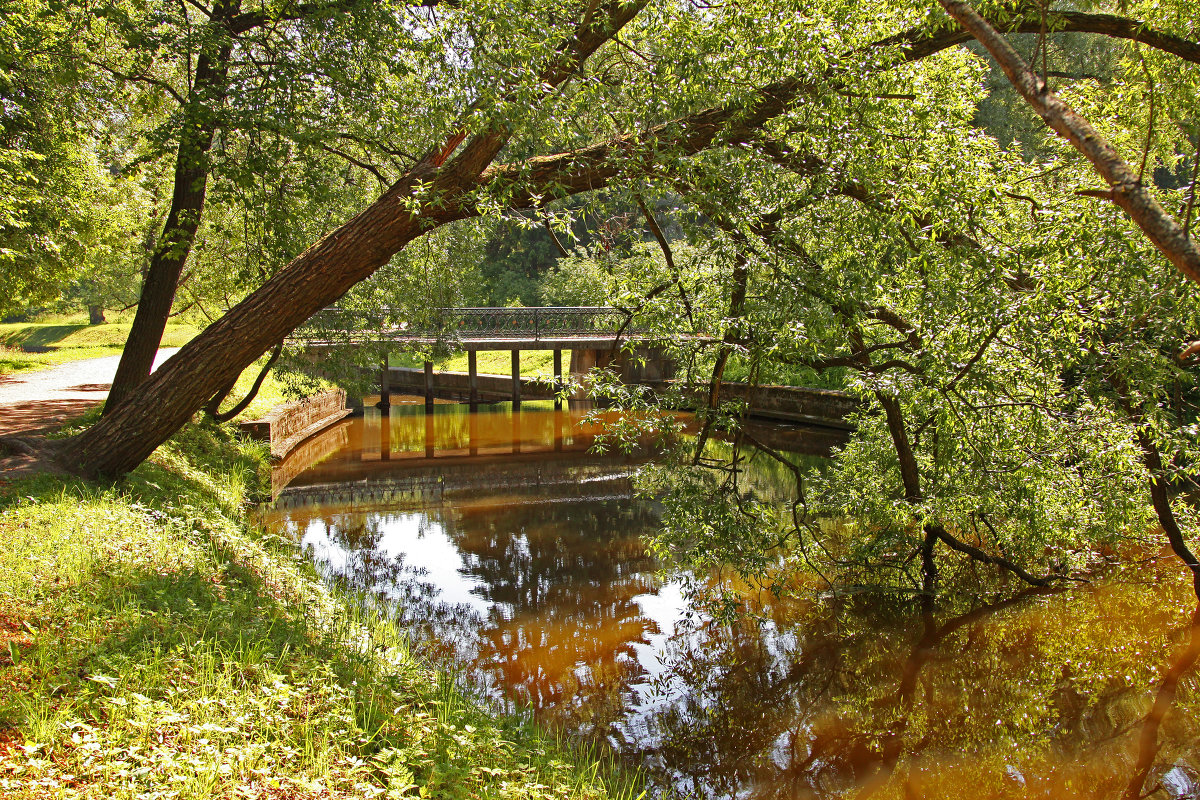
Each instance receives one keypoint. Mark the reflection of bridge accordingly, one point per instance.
(594, 335)
(562, 480)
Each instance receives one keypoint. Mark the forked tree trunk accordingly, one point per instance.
(209, 90)
(144, 419)
(165, 401)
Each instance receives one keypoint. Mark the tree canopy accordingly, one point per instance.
(850, 192)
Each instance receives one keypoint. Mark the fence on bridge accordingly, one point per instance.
(449, 324)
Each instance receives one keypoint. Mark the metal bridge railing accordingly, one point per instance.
(543, 322)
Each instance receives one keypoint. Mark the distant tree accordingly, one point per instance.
(51, 182)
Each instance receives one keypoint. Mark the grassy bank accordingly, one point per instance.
(152, 644)
(534, 363)
(35, 345)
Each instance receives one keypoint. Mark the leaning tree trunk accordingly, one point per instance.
(209, 90)
(165, 401)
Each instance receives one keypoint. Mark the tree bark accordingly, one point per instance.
(1161, 500)
(209, 89)
(95, 315)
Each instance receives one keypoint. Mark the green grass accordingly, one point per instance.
(154, 644)
(36, 345)
(534, 363)
(272, 393)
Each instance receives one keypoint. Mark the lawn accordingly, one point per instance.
(28, 346)
(534, 363)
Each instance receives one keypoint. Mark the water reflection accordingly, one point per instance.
(523, 559)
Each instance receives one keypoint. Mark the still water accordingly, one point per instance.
(520, 555)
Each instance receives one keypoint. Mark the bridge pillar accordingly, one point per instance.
(516, 379)
(646, 364)
(385, 394)
(428, 387)
(473, 377)
(583, 361)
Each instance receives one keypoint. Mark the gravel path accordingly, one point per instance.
(31, 402)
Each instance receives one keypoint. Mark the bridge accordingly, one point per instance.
(593, 335)
(525, 328)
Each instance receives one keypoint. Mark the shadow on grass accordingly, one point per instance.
(38, 338)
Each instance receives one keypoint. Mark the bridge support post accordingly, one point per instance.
(385, 393)
(516, 379)
(428, 387)
(558, 381)
(473, 373)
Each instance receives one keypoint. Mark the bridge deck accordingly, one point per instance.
(479, 342)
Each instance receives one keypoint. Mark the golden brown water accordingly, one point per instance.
(525, 562)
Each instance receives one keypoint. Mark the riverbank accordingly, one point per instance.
(152, 642)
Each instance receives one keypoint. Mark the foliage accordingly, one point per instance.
(51, 179)
(836, 204)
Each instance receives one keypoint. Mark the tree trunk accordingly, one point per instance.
(737, 310)
(125, 436)
(95, 315)
(1126, 187)
(1161, 500)
(187, 205)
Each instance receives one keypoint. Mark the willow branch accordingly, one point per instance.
(1125, 186)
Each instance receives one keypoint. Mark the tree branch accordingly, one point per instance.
(248, 21)
(1126, 189)
(978, 555)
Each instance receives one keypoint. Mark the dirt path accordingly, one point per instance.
(37, 402)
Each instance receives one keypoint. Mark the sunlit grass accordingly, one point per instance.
(534, 363)
(153, 644)
(35, 345)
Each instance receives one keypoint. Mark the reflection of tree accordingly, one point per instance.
(1026, 696)
(1041, 694)
(563, 577)
(1149, 745)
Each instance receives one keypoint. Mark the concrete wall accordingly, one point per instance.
(290, 424)
(790, 403)
(793, 403)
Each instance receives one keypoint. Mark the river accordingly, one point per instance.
(519, 555)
